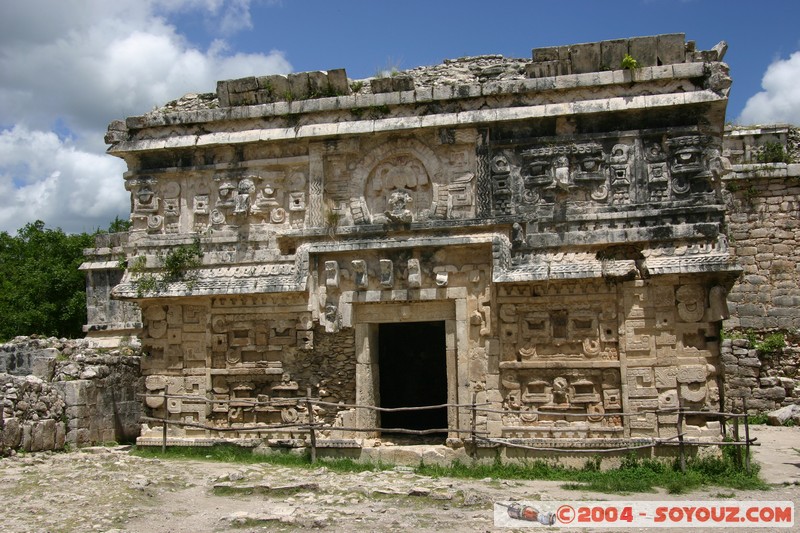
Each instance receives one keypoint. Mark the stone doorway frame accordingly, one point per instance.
(367, 316)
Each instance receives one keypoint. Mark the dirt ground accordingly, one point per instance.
(109, 490)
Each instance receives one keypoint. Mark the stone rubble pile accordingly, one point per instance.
(57, 391)
(766, 381)
(33, 414)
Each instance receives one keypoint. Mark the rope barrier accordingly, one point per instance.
(476, 435)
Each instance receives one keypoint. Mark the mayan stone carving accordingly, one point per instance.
(550, 241)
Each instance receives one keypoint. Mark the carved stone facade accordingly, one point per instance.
(560, 230)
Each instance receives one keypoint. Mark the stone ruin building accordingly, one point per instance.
(545, 236)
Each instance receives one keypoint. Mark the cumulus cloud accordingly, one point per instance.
(84, 64)
(48, 178)
(780, 99)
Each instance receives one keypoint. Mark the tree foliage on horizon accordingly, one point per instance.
(41, 289)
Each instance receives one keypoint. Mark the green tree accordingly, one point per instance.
(119, 225)
(41, 289)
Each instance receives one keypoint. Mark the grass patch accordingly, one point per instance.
(230, 453)
(759, 419)
(633, 474)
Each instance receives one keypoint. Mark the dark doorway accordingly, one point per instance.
(413, 372)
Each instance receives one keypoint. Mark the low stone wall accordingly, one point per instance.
(79, 395)
(33, 414)
(763, 198)
(767, 381)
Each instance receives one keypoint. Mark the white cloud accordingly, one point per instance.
(780, 99)
(78, 65)
(46, 178)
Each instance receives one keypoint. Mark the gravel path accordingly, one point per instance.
(108, 490)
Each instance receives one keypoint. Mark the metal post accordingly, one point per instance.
(680, 439)
(737, 456)
(310, 409)
(746, 437)
(164, 425)
(474, 421)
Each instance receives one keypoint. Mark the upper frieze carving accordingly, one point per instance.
(611, 171)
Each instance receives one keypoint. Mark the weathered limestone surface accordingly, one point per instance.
(764, 229)
(561, 218)
(109, 322)
(763, 197)
(77, 394)
(765, 381)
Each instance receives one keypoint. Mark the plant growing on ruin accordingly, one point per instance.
(356, 86)
(773, 153)
(179, 265)
(772, 344)
(378, 111)
(332, 219)
(629, 63)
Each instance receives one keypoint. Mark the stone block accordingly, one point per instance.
(338, 82)
(743, 381)
(769, 382)
(549, 53)
(48, 434)
(12, 433)
(75, 392)
(402, 83)
(665, 377)
(242, 85)
(279, 86)
(671, 48)
(37, 436)
(611, 53)
(60, 435)
(81, 437)
(381, 85)
(771, 393)
(751, 361)
(43, 365)
(298, 85)
(585, 58)
(222, 94)
(747, 371)
(317, 84)
(691, 374)
(77, 411)
(644, 50)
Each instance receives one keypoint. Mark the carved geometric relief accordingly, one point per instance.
(612, 399)
(691, 374)
(360, 274)
(219, 342)
(634, 340)
(174, 335)
(200, 204)
(332, 274)
(386, 273)
(668, 399)
(171, 207)
(691, 302)
(400, 189)
(666, 377)
(643, 421)
(663, 296)
(414, 274)
(192, 314)
(693, 392)
(641, 383)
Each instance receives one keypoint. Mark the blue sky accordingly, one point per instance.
(69, 67)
